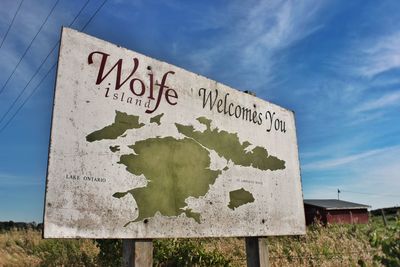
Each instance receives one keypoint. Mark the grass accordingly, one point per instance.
(27, 248)
(333, 245)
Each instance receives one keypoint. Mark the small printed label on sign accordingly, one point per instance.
(87, 178)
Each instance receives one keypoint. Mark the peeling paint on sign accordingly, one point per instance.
(143, 149)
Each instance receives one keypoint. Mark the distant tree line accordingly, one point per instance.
(388, 211)
(5, 226)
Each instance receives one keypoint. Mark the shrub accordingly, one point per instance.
(56, 252)
(389, 242)
(110, 252)
(185, 252)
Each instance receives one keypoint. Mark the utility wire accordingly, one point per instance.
(26, 86)
(94, 14)
(12, 22)
(48, 72)
(371, 194)
(27, 99)
(40, 66)
(29, 46)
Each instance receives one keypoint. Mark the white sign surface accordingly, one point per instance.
(143, 149)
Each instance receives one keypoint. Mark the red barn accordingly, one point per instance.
(335, 211)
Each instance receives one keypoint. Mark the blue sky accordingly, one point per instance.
(336, 64)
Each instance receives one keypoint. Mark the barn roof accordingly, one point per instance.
(334, 204)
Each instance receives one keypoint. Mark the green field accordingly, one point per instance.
(335, 245)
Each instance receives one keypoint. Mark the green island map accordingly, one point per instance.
(180, 168)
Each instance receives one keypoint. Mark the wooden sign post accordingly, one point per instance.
(137, 253)
(256, 252)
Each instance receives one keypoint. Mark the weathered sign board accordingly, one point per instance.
(144, 149)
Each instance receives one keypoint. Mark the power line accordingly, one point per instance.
(40, 66)
(27, 99)
(29, 46)
(79, 13)
(94, 14)
(48, 72)
(12, 22)
(26, 86)
(371, 194)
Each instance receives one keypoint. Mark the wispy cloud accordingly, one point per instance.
(381, 54)
(7, 179)
(19, 64)
(261, 30)
(368, 86)
(355, 192)
(274, 25)
(371, 177)
(384, 101)
(340, 161)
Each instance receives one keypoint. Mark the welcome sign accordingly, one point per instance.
(143, 149)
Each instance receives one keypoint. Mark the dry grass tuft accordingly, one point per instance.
(333, 245)
(27, 248)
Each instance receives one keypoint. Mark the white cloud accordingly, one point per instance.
(274, 25)
(315, 154)
(320, 192)
(354, 192)
(26, 26)
(384, 101)
(340, 161)
(260, 31)
(7, 179)
(270, 27)
(371, 177)
(380, 55)
(376, 181)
